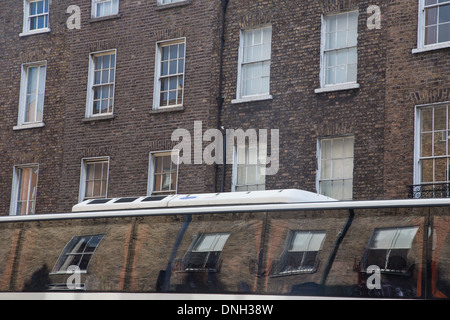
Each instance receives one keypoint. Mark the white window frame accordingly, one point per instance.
(258, 167)
(26, 31)
(158, 77)
(421, 47)
(15, 188)
(394, 234)
(114, 8)
(167, 2)
(418, 179)
(83, 176)
(240, 97)
(66, 257)
(311, 246)
(338, 86)
(216, 246)
(91, 84)
(175, 155)
(21, 123)
(319, 179)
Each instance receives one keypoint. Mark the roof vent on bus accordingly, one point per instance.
(99, 201)
(125, 200)
(154, 198)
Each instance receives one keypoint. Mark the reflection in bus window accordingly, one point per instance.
(205, 252)
(389, 249)
(301, 252)
(78, 252)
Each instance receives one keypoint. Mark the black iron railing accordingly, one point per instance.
(424, 191)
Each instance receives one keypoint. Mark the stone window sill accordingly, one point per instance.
(173, 5)
(338, 87)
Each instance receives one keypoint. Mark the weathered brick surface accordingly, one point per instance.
(135, 253)
(134, 132)
(380, 114)
(301, 115)
(411, 80)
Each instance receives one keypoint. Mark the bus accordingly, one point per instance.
(274, 244)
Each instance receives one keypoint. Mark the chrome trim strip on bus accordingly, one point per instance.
(333, 205)
(160, 296)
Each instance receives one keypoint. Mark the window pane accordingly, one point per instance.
(326, 149)
(348, 190)
(300, 241)
(352, 38)
(30, 108)
(341, 39)
(326, 188)
(427, 170)
(426, 119)
(41, 22)
(341, 74)
(444, 32)
(440, 118)
(348, 147)
(444, 14)
(426, 145)
(331, 23)
(341, 57)
(353, 20)
(325, 169)
(341, 22)
(33, 6)
(32, 79)
(405, 237)
(40, 7)
(383, 239)
(330, 76)
(316, 241)
(440, 170)
(205, 243)
(440, 143)
(338, 148)
(348, 168)
(330, 41)
(431, 16)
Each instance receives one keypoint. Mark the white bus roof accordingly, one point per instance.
(202, 199)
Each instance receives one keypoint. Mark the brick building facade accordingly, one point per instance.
(98, 108)
(340, 80)
(92, 91)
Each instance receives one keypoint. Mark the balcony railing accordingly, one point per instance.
(424, 191)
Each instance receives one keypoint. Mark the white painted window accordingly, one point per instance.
(249, 168)
(205, 252)
(94, 178)
(104, 8)
(78, 252)
(101, 84)
(24, 190)
(254, 64)
(163, 173)
(301, 252)
(432, 144)
(335, 159)
(169, 74)
(389, 248)
(32, 91)
(36, 16)
(339, 58)
(168, 1)
(434, 25)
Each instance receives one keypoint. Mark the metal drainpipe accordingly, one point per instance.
(180, 236)
(341, 236)
(220, 98)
